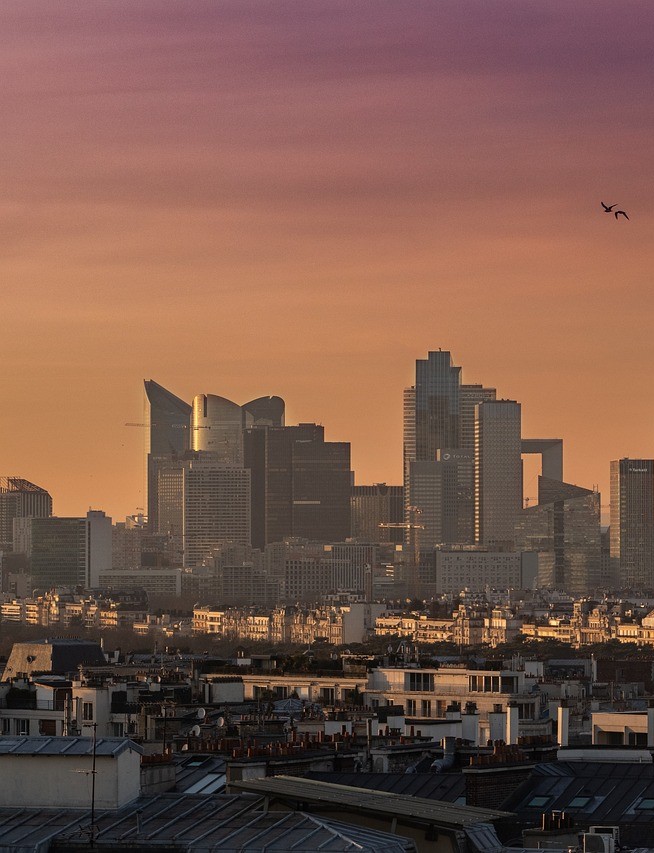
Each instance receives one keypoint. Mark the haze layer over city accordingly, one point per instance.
(301, 199)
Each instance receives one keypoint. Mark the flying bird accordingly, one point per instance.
(608, 208)
(620, 213)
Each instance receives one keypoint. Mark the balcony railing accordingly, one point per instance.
(20, 704)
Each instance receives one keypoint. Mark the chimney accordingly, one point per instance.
(512, 722)
(563, 722)
(470, 724)
(497, 723)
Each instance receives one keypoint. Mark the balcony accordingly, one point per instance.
(27, 703)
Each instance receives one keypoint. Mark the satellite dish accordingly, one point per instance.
(220, 722)
(201, 713)
(195, 731)
(184, 747)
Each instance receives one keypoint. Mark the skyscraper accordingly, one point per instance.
(498, 471)
(217, 428)
(439, 451)
(204, 505)
(20, 499)
(632, 522)
(169, 421)
(301, 484)
(437, 405)
(564, 530)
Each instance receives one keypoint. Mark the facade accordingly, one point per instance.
(20, 499)
(216, 502)
(375, 506)
(204, 504)
(498, 471)
(301, 484)
(632, 522)
(476, 569)
(66, 551)
(564, 530)
(217, 428)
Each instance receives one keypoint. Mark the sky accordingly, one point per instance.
(302, 197)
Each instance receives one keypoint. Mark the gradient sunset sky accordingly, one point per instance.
(301, 198)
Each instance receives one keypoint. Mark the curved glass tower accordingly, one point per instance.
(264, 411)
(217, 428)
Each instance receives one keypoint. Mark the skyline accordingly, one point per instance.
(299, 199)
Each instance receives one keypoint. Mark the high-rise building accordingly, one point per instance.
(264, 411)
(66, 551)
(374, 507)
(437, 405)
(205, 504)
(498, 471)
(439, 417)
(632, 522)
(564, 530)
(20, 499)
(168, 421)
(217, 428)
(322, 483)
(300, 484)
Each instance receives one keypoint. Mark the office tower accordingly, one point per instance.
(264, 411)
(168, 420)
(437, 405)
(377, 505)
(217, 428)
(439, 437)
(470, 396)
(20, 499)
(300, 484)
(632, 522)
(322, 483)
(204, 504)
(564, 530)
(498, 471)
(66, 551)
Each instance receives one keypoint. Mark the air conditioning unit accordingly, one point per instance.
(606, 830)
(596, 843)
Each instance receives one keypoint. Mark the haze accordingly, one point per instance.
(301, 198)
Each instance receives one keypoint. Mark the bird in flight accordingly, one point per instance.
(608, 208)
(620, 213)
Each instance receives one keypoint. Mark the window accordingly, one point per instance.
(118, 729)
(425, 709)
(420, 681)
(646, 804)
(22, 727)
(411, 707)
(87, 711)
(578, 802)
(6, 726)
(538, 802)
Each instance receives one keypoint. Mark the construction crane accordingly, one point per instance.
(172, 426)
(408, 525)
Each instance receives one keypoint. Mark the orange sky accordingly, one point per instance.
(301, 198)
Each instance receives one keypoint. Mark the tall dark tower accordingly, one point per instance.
(169, 421)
